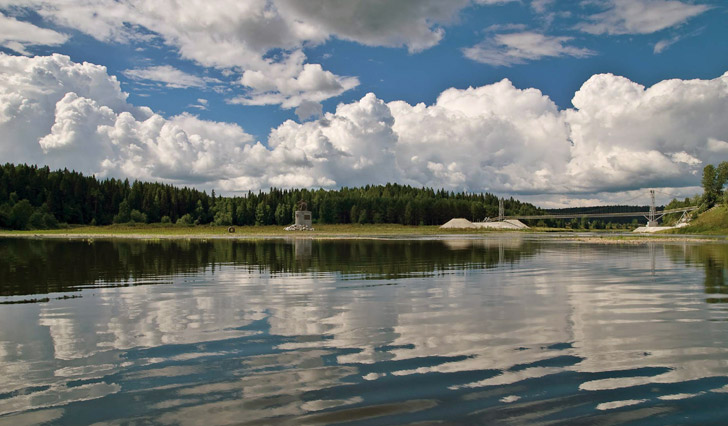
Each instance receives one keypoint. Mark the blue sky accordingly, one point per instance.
(232, 74)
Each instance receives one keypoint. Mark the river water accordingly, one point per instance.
(515, 329)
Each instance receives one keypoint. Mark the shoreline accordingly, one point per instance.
(367, 234)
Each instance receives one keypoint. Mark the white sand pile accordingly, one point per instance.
(517, 223)
(506, 224)
(459, 223)
(651, 229)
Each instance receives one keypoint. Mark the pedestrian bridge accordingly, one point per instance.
(645, 214)
(652, 215)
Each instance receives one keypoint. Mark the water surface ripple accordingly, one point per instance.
(507, 329)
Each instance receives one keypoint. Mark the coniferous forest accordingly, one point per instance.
(33, 197)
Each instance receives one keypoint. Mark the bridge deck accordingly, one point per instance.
(588, 215)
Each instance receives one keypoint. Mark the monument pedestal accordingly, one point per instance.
(303, 218)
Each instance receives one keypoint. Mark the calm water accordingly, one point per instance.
(510, 329)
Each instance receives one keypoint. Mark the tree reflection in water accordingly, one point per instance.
(40, 266)
(713, 258)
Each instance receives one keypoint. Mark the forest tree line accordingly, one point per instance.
(713, 181)
(33, 197)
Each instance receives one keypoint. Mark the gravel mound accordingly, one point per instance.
(459, 223)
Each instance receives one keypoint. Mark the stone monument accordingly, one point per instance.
(303, 221)
(303, 216)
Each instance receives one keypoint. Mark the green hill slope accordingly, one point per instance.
(711, 222)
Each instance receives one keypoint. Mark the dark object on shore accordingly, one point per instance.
(231, 229)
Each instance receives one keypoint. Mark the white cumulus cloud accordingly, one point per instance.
(30, 91)
(494, 137)
(290, 88)
(624, 133)
(64, 114)
(619, 136)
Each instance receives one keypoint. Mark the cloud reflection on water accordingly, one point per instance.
(476, 325)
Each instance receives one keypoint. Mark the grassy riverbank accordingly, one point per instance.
(161, 231)
(205, 231)
(712, 222)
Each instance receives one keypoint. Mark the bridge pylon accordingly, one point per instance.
(652, 216)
